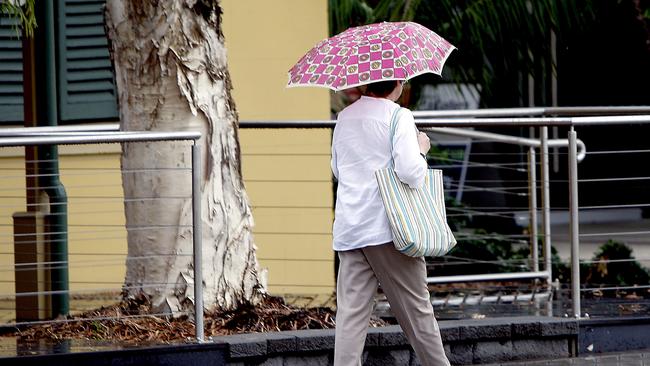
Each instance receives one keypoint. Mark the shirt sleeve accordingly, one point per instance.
(410, 167)
(335, 169)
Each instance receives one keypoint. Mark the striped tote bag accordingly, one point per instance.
(416, 215)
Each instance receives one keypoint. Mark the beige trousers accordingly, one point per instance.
(403, 280)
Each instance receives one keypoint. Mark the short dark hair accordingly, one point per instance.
(381, 88)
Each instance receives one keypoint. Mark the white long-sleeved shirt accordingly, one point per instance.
(361, 146)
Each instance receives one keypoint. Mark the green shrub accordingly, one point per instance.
(484, 253)
(624, 273)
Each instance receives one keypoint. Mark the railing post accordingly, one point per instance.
(574, 223)
(196, 236)
(532, 206)
(546, 202)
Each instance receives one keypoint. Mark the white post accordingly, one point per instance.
(546, 202)
(532, 206)
(575, 223)
(196, 236)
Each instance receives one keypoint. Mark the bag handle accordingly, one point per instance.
(393, 127)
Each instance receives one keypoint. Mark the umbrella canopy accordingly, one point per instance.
(370, 53)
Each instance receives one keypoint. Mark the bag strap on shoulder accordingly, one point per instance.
(394, 119)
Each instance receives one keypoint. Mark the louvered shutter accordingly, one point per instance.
(11, 72)
(86, 83)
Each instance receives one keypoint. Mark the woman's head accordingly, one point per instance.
(389, 89)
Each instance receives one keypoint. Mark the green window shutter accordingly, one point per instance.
(86, 82)
(11, 72)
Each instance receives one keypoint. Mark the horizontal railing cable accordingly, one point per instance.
(46, 264)
(501, 190)
(615, 260)
(616, 233)
(91, 200)
(128, 228)
(78, 291)
(95, 318)
(618, 179)
(611, 288)
(93, 171)
(608, 152)
(630, 205)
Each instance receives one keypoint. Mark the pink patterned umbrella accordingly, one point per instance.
(369, 53)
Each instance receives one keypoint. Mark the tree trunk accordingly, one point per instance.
(172, 75)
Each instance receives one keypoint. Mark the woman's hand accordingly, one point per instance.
(423, 141)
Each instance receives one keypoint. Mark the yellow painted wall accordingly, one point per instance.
(12, 186)
(287, 172)
(264, 39)
(96, 233)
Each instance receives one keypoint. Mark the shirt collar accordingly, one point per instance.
(366, 97)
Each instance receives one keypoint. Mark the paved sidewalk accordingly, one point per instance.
(634, 358)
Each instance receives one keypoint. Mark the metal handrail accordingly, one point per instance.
(470, 122)
(423, 119)
(108, 137)
(508, 139)
(533, 121)
(45, 131)
(490, 277)
(536, 111)
(64, 137)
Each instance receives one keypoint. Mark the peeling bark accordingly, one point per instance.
(172, 75)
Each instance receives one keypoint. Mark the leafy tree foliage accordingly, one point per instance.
(21, 10)
(499, 42)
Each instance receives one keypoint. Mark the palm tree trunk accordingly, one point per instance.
(172, 75)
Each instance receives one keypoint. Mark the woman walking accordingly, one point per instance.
(362, 237)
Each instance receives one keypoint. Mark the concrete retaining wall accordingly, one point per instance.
(466, 342)
(111, 355)
(614, 335)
